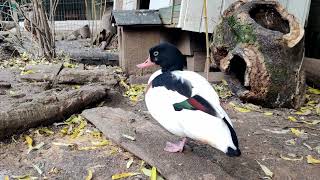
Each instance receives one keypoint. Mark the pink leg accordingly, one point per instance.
(175, 147)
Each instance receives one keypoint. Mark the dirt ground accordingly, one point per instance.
(263, 137)
(279, 139)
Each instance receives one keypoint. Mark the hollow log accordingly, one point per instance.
(48, 107)
(107, 32)
(261, 45)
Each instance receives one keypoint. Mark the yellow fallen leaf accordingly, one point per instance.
(291, 142)
(153, 173)
(69, 65)
(76, 87)
(313, 91)
(312, 103)
(291, 159)
(317, 149)
(266, 170)
(142, 164)
(124, 175)
(96, 134)
(135, 91)
(74, 119)
(46, 131)
(77, 130)
(293, 119)
(87, 148)
(239, 109)
(101, 143)
(304, 111)
(27, 72)
(314, 122)
(129, 163)
(312, 160)
(146, 172)
(318, 109)
(90, 174)
(54, 170)
(29, 142)
(24, 177)
(62, 144)
(6, 177)
(242, 110)
(297, 132)
(268, 113)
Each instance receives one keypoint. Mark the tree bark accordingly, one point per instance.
(107, 32)
(48, 107)
(37, 23)
(261, 46)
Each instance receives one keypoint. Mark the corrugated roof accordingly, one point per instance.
(136, 17)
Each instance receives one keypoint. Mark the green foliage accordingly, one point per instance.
(243, 32)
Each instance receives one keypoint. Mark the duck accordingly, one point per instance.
(185, 103)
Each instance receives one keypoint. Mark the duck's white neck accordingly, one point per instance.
(154, 75)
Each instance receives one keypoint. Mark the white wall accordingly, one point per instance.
(157, 4)
(191, 15)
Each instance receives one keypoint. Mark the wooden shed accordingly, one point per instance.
(180, 22)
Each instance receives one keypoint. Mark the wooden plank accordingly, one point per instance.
(196, 62)
(130, 4)
(193, 15)
(182, 13)
(149, 142)
(166, 14)
(214, 10)
(136, 49)
(138, 17)
(117, 4)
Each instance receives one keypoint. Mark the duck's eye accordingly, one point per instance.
(156, 53)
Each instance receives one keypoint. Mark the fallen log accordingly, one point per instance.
(312, 68)
(83, 32)
(7, 49)
(261, 44)
(107, 32)
(48, 107)
(47, 73)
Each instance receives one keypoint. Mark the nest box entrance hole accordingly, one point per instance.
(237, 69)
(268, 17)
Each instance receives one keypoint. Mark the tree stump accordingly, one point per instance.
(260, 45)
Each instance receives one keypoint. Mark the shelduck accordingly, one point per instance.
(185, 103)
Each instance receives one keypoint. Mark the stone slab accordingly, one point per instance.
(150, 138)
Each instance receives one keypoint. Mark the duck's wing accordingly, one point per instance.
(203, 98)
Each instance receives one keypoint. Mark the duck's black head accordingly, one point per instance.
(165, 55)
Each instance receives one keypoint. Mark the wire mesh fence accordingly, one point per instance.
(69, 14)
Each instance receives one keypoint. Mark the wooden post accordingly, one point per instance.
(205, 16)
